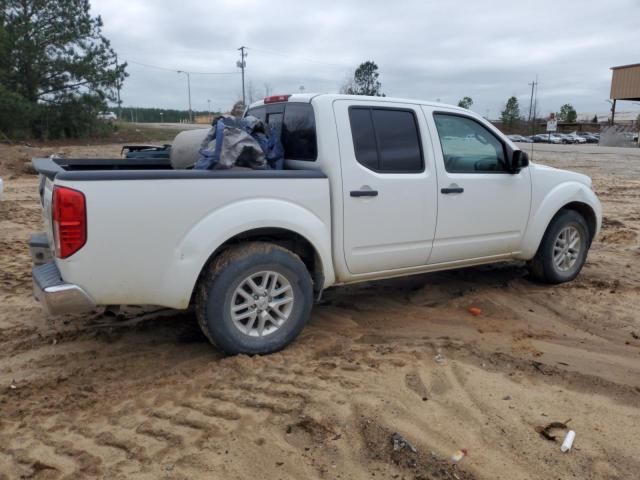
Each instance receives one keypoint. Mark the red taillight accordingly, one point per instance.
(69, 221)
(276, 98)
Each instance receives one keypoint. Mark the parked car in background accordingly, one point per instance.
(576, 138)
(108, 116)
(547, 138)
(589, 137)
(519, 138)
(565, 138)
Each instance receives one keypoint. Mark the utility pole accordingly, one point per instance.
(189, 92)
(533, 84)
(533, 105)
(118, 87)
(532, 113)
(613, 112)
(242, 64)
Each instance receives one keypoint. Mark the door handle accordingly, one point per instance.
(364, 193)
(449, 190)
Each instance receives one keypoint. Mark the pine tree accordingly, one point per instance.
(53, 54)
(511, 112)
(466, 102)
(365, 81)
(567, 113)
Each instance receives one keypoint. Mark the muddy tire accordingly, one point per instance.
(254, 298)
(563, 250)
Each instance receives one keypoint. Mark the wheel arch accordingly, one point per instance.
(581, 208)
(305, 228)
(288, 239)
(568, 196)
(587, 213)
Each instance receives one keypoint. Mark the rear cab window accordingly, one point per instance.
(297, 126)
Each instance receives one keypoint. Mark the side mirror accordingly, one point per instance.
(519, 160)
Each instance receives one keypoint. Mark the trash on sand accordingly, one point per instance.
(475, 311)
(401, 443)
(439, 358)
(546, 430)
(568, 441)
(459, 455)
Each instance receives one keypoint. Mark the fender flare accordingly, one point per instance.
(219, 226)
(558, 198)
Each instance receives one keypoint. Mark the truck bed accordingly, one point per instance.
(96, 169)
(148, 240)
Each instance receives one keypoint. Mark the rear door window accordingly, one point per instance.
(386, 140)
(364, 140)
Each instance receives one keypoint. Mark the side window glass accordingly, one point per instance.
(398, 141)
(386, 140)
(364, 141)
(468, 147)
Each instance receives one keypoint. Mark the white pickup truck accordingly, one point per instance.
(372, 188)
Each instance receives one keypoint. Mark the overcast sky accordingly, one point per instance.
(425, 49)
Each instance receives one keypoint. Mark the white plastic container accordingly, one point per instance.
(568, 441)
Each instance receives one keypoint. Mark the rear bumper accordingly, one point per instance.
(54, 294)
(57, 296)
(39, 248)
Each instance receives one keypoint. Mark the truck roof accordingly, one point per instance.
(330, 97)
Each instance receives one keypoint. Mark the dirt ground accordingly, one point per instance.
(142, 395)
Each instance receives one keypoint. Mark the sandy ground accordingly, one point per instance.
(142, 395)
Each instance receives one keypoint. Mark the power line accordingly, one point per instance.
(175, 69)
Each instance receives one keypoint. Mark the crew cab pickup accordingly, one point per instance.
(372, 188)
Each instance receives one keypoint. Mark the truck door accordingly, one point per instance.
(388, 185)
(482, 208)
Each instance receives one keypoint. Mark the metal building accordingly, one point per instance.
(625, 85)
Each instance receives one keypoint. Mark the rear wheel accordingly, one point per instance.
(254, 298)
(563, 249)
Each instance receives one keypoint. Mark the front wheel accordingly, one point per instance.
(254, 298)
(563, 249)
